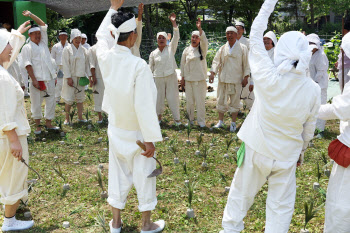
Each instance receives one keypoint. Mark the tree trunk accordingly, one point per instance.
(312, 14)
(148, 22)
(230, 18)
(157, 14)
(296, 9)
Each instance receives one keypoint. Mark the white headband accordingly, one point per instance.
(231, 29)
(4, 39)
(127, 26)
(162, 34)
(74, 33)
(63, 33)
(195, 33)
(35, 29)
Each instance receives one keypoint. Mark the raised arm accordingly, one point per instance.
(203, 38)
(139, 26)
(36, 19)
(175, 40)
(259, 60)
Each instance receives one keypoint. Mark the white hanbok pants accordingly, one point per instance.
(196, 93)
(37, 98)
(13, 173)
(98, 98)
(127, 167)
(168, 88)
(58, 89)
(321, 124)
(245, 94)
(256, 170)
(338, 201)
(71, 94)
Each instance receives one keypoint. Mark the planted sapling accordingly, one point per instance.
(316, 185)
(205, 153)
(173, 148)
(190, 191)
(199, 142)
(60, 174)
(227, 188)
(71, 114)
(104, 194)
(310, 213)
(228, 142)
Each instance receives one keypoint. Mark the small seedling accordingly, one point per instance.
(173, 148)
(205, 153)
(199, 140)
(100, 183)
(71, 114)
(310, 212)
(316, 185)
(101, 221)
(184, 165)
(190, 190)
(60, 174)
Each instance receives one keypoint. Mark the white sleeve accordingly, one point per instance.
(310, 124)
(144, 104)
(7, 105)
(216, 61)
(175, 40)
(44, 37)
(66, 64)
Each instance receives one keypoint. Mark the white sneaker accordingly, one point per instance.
(99, 122)
(160, 223)
(201, 125)
(114, 230)
(12, 224)
(177, 123)
(83, 121)
(54, 128)
(191, 122)
(37, 132)
(233, 127)
(66, 123)
(218, 125)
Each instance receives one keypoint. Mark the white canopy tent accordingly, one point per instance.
(69, 8)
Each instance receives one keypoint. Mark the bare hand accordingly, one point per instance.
(70, 82)
(23, 28)
(140, 10)
(150, 149)
(26, 13)
(199, 24)
(183, 82)
(251, 88)
(172, 17)
(35, 83)
(244, 82)
(116, 4)
(336, 65)
(16, 149)
(211, 77)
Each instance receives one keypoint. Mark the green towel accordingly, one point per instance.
(240, 155)
(83, 81)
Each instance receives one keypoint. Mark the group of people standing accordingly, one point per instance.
(273, 77)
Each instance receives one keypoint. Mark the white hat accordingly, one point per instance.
(231, 29)
(242, 25)
(83, 35)
(272, 36)
(313, 38)
(162, 34)
(127, 26)
(34, 29)
(74, 33)
(4, 39)
(292, 47)
(195, 33)
(345, 45)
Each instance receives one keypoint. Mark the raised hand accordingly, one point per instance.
(26, 13)
(140, 10)
(116, 4)
(23, 28)
(199, 24)
(172, 18)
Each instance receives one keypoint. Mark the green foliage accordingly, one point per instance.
(310, 212)
(199, 140)
(190, 191)
(318, 174)
(332, 49)
(228, 142)
(100, 179)
(59, 172)
(101, 221)
(205, 153)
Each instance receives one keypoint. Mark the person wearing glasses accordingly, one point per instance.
(75, 61)
(231, 65)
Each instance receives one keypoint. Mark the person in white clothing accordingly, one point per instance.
(337, 217)
(277, 130)
(318, 71)
(130, 101)
(194, 74)
(56, 53)
(339, 63)
(84, 41)
(270, 42)
(75, 62)
(163, 66)
(41, 69)
(14, 128)
(96, 82)
(15, 72)
(135, 50)
(231, 64)
(247, 93)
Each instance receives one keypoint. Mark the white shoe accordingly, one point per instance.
(177, 123)
(83, 121)
(218, 125)
(202, 125)
(160, 223)
(54, 128)
(114, 230)
(66, 123)
(37, 132)
(12, 224)
(191, 122)
(233, 127)
(99, 122)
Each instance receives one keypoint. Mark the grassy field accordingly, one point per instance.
(82, 205)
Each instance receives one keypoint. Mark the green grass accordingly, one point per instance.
(83, 207)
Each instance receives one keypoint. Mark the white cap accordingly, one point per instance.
(4, 39)
(242, 25)
(315, 39)
(272, 36)
(162, 34)
(231, 29)
(74, 33)
(195, 33)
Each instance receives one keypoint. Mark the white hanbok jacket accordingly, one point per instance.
(56, 52)
(75, 62)
(283, 118)
(130, 93)
(318, 69)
